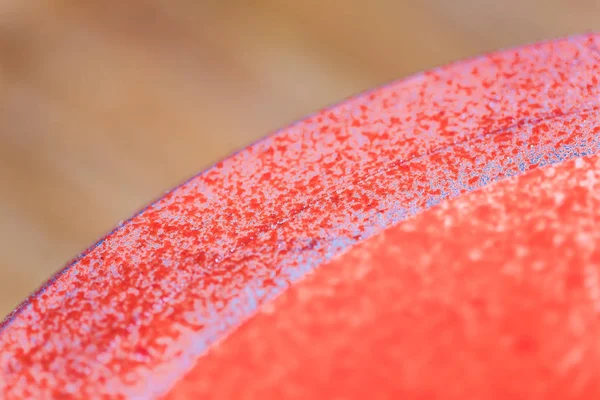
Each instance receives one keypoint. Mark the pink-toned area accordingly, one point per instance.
(493, 295)
(130, 316)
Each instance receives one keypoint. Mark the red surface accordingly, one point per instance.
(494, 295)
(137, 311)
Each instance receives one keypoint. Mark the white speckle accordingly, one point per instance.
(559, 197)
(521, 251)
(361, 270)
(590, 180)
(70, 388)
(571, 359)
(537, 265)
(584, 238)
(579, 163)
(558, 239)
(475, 254)
(447, 222)
(268, 308)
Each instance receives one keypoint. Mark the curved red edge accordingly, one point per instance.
(348, 101)
(491, 295)
(137, 309)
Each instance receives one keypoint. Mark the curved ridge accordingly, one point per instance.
(139, 307)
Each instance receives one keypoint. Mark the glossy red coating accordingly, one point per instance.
(136, 312)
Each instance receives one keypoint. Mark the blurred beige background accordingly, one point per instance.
(106, 104)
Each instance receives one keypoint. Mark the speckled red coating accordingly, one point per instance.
(492, 295)
(131, 315)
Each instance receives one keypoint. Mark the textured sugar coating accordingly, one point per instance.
(132, 314)
(492, 295)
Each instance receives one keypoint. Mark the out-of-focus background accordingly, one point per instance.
(105, 104)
